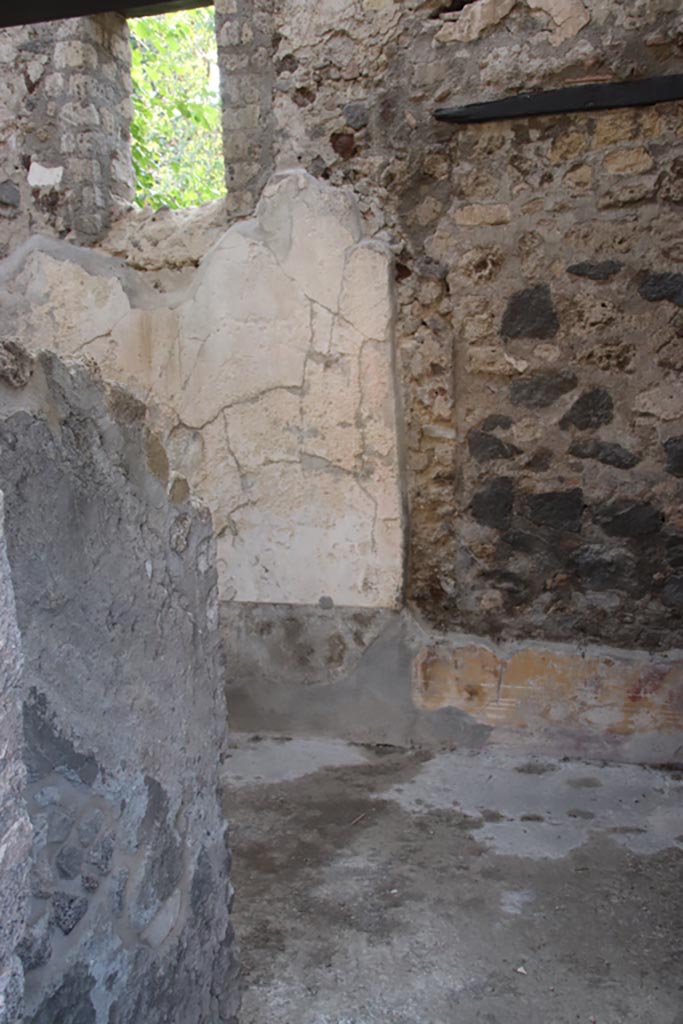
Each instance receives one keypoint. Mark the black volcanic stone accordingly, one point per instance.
(600, 569)
(9, 194)
(541, 460)
(626, 518)
(674, 456)
(661, 287)
(542, 389)
(530, 314)
(557, 510)
(496, 421)
(674, 550)
(487, 447)
(604, 451)
(592, 409)
(596, 271)
(67, 910)
(672, 592)
(356, 115)
(492, 503)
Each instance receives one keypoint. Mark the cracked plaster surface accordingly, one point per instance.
(272, 385)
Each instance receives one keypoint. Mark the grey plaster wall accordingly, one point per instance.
(124, 714)
(15, 829)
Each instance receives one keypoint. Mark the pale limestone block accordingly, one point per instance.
(492, 359)
(305, 24)
(628, 161)
(365, 300)
(478, 214)
(73, 53)
(664, 401)
(40, 176)
(474, 20)
(569, 16)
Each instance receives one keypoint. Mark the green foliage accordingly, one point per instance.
(176, 129)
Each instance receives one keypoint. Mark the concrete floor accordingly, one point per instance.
(382, 886)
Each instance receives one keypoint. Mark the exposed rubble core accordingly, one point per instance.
(123, 709)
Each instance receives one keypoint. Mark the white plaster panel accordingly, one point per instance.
(270, 381)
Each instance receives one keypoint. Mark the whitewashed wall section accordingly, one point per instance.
(273, 386)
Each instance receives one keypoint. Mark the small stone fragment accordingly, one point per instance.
(626, 518)
(89, 826)
(593, 409)
(101, 854)
(9, 194)
(16, 365)
(59, 823)
(344, 144)
(180, 533)
(68, 910)
(488, 447)
(558, 510)
(596, 271)
(90, 881)
(356, 115)
(483, 214)
(35, 949)
(674, 455)
(671, 182)
(68, 861)
(530, 314)
(492, 504)
(542, 389)
(604, 451)
(496, 422)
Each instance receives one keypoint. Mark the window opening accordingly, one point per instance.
(176, 130)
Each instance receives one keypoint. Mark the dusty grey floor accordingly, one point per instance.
(377, 886)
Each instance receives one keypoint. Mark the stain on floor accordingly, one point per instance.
(383, 886)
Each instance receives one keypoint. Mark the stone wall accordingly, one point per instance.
(65, 110)
(15, 829)
(246, 44)
(124, 714)
(538, 277)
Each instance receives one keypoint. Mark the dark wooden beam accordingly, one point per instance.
(31, 11)
(598, 96)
